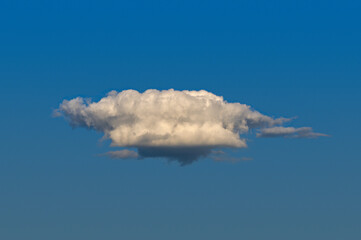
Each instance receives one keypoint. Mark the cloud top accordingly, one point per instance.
(180, 125)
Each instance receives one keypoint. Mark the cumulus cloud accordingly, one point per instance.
(178, 125)
(302, 132)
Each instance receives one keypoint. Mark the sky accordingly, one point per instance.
(296, 60)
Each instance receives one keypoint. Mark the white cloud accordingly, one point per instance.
(180, 125)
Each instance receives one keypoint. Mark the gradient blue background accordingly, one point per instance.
(284, 58)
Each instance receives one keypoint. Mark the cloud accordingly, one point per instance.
(291, 132)
(122, 154)
(221, 156)
(178, 125)
(184, 154)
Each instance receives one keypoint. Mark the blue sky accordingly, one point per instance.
(284, 58)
